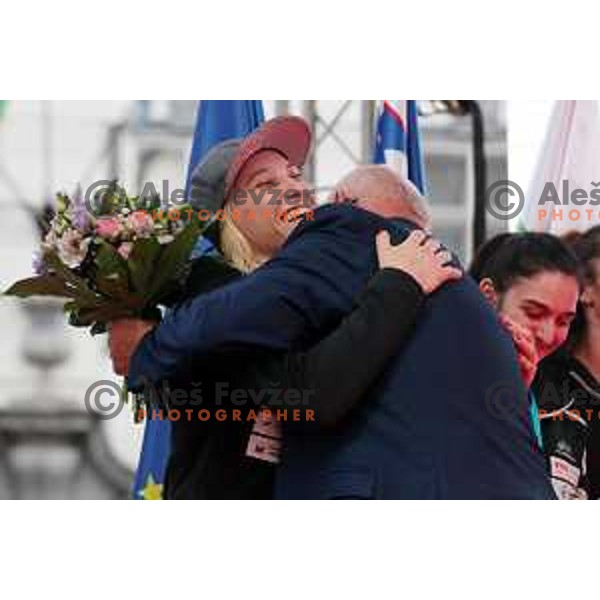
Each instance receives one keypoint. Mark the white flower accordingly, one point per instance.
(165, 239)
(72, 248)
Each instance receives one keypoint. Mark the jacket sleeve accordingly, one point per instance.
(335, 373)
(281, 306)
(254, 311)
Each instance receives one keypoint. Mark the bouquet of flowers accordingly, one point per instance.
(122, 259)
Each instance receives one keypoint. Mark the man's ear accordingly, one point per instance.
(486, 285)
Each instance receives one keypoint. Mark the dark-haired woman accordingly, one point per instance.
(532, 279)
(568, 387)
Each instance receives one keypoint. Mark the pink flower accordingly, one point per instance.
(108, 228)
(125, 249)
(140, 222)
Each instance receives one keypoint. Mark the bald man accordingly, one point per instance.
(426, 429)
(379, 189)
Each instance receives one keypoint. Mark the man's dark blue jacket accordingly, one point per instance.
(449, 418)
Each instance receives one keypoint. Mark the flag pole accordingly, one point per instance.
(479, 172)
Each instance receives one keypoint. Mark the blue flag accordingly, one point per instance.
(217, 121)
(397, 142)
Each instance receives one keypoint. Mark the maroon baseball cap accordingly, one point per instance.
(291, 136)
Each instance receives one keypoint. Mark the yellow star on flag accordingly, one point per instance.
(152, 490)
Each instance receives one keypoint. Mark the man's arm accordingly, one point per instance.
(310, 284)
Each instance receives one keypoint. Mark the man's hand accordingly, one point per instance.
(124, 336)
(525, 346)
(418, 256)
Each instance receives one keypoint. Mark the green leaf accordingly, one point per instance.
(142, 264)
(76, 284)
(173, 258)
(112, 286)
(109, 261)
(102, 313)
(98, 328)
(44, 285)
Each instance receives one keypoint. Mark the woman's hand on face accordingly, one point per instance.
(525, 346)
(418, 256)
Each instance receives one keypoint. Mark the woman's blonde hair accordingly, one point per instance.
(235, 246)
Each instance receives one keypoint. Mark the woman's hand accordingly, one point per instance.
(525, 346)
(418, 256)
(124, 336)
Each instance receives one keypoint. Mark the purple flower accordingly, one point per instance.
(81, 217)
(38, 264)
